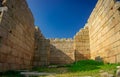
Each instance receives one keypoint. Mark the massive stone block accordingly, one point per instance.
(61, 51)
(16, 35)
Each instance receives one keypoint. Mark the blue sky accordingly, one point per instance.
(61, 18)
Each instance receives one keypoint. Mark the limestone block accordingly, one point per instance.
(118, 71)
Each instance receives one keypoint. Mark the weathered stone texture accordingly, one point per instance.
(16, 36)
(42, 49)
(22, 45)
(104, 31)
(82, 44)
(61, 51)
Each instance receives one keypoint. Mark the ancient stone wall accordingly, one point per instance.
(82, 44)
(42, 49)
(61, 51)
(16, 35)
(104, 31)
(22, 45)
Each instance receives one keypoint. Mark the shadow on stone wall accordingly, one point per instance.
(99, 58)
(80, 56)
(60, 57)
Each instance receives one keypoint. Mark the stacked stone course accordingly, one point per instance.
(23, 46)
(104, 31)
(42, 49)
(61, 51)
(16, 36)
(82, 44)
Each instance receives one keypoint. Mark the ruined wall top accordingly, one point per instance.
(37, 29)
(61, 40)
(83, 31)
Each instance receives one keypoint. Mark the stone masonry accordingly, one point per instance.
(82, 44)
(61, 51)
(104, 31)
(42, 49)
(22, 45)
(16, 35)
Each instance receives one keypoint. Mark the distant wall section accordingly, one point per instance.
(82, 44)
(61, 51)
(42, 49)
